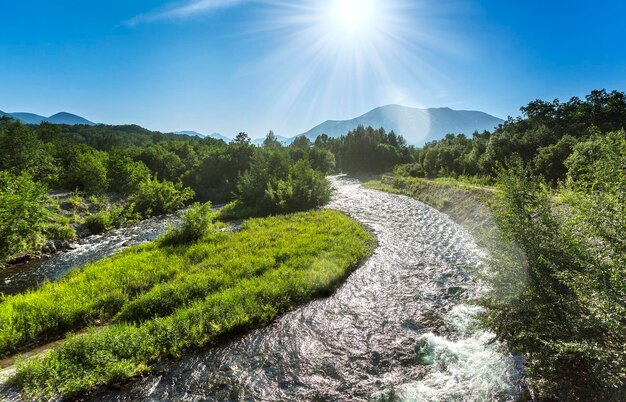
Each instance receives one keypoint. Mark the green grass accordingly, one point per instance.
(163, 300)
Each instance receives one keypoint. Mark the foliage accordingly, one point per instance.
(23, 152)
(23, 214)
(125, 174)
(275, 184)
(544, 138)
(164, 300)
(86, 170)
(156, 197)
(366, 150)
(567, 315)
(197, 221)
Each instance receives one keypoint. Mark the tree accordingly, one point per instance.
(86, 171)
(160, 197)
(242, 139)
(271, 141)
(23, 214)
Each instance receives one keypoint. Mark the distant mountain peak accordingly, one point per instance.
(215, 136)
(59, 118)
(416, 125)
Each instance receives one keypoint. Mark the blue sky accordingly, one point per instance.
(235, 65)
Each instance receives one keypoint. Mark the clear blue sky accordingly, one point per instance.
(235, 65)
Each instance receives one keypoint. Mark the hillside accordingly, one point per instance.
(59, 118)
(417, 126)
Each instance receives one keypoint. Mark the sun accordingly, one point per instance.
(352, 16)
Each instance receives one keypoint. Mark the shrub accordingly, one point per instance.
(275, 185)
(60, 231)
(160, 197)
(99, 222)
(23, 214)
(196, 222)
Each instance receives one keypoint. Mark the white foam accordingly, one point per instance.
(470, 368)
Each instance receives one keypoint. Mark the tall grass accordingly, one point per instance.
(165, 299)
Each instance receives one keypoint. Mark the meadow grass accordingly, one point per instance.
(163, 300)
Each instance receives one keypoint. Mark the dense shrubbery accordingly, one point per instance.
(544, 138)
(564, 307)
(164, 299)
(197, 221)
(156, 197)
(23, 214)
(366, 150)
(275, 184)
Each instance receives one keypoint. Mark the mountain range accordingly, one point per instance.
(417, 126)
(59, 118)
(215, 136)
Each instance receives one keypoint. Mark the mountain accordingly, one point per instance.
(59, 118)
(280, 138)
(417, 126)
(215, 136)
(190, 133)
(69, 119)
(28, 118)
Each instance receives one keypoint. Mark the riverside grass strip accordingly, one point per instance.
(223, 284)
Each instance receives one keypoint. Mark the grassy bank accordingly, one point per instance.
(466, 203)
(161, 300)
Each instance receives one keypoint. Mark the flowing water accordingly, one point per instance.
(398, 329)
(18, 279)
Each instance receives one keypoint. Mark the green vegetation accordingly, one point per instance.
(148, 173)
(557, 277)
(366, 150)
(567, 310)
(23, 213)
(169, 296)
(543, 138)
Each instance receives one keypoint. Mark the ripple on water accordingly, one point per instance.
(398, 329)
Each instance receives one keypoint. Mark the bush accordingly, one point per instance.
(160, 197)
(196, 222)
(276, 185)
(99, 222)
(111, 217)
(87, 171)
(60, 231)
(23, 214)
(567, 315)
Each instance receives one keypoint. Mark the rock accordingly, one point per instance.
(68, 246)
(22, 259)
(52, 247)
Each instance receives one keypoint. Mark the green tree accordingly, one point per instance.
(23, 214)
(160, 197)
(271, 141)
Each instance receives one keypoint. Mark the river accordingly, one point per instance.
(399, 329)
(20, 278)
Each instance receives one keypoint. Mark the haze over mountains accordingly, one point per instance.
(417, 126)
(59, 118)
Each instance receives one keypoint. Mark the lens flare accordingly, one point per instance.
(352, 17)
(335, 57)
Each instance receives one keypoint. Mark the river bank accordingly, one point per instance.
(192, 295)
(398, 329)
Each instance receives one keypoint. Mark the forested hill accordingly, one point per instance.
(544, 137)
(59, 118)
(417, 126)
